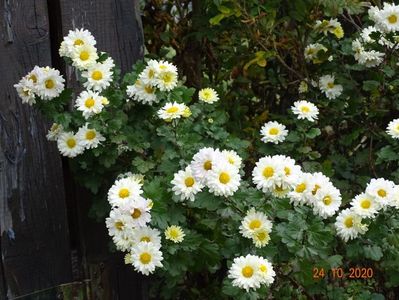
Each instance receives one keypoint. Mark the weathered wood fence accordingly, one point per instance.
(49, 247)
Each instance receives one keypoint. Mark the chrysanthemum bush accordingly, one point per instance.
(213, 214)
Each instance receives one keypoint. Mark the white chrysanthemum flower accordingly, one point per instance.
(175, 234)
(303, 87)
(98, 77)
(123, 191)
(84, 56)
(370, 58)
(395, 197)
(299, 195)
(203, 162)
(148, 235)
(50, 84)
(332, 26)
(208, 95)
(138, 210)
(387, 18)
(393, 129)
(349, 225)
(327, 202)
(245, 272)
(261, 237)
(69, 144)
(329, 87)
(223, 179)
(305, 110)
(312, 52)
(185, 185)
(140, 92)
(366, 32)
(138, 178)
(357, 48)
(26, 90)
(266, 271)
(146, 257)
(54, 132)
(166, 79)
(365, 206)
(124, 242)
(317, 183)
(382, 190)
(266, 174)
(273, 132)
(90, 137)
(89, 103)
(172, 111)
(76, 38)
(118, 224)
(232, 157)
(253, 221)
(150, 73)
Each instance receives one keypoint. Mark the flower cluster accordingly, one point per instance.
(332, 26)
(257, 227)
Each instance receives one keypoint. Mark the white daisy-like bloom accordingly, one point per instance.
(124, 242)
(172, 111)
(98, 77)
(349, 225)
(89, 103)
(387, 18)
(317, 183)
(149, 75)
(357, 48)
(327, 202)
(203, 162)
(365, 206)
(232, 157)
(138, 178)
(90, 137)
(266, 271)
(331, 26)
(329, 87)
(299, 194)
(303, 87)
(140, 92)
(148, 235)
(75, 38)
(223, 179)
(118, 224)
(273, 132)
(123, 191)
(289, 172)
(393, 129)
(253, 221)
(266, 174)
(146, 257)
(366, 32)
(245, 272)
(311, 52)
(382, 190)
(305, 110)
(69, 144)
(166, 79)
(138, 210)
(50, 84)
(84, 56)
(370, 58)
(185, 185)
(261, 237)
(54, 132)
(175, 234)
(26, 90)
(208, 95)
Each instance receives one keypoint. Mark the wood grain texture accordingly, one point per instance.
(34, 235)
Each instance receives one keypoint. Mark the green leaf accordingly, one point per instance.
(373, 252)
(313, 132)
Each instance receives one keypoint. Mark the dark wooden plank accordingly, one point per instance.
(34, 234)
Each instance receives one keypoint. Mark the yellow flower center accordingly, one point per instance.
(208, 165)
(145, 258)
(287, 171)
(119, 225)
(300, 188)
(315, 189)
(382, 193)
(327, 200)
(224, 178)
(97, 75)
(365, 204)
(33, 78)
(273, 131)
(397, 128)
(392, 19)
(149, 89)
(263, 268)
(206, 95)
(231, 160)
(49, 84)
(305, 109)
(189, 182)
(90, 134)
(247, 271)
(78, 42)
(124, 193)
(71, 143)
(254, 224)
(89, 103)
(279, 188)
(263, 235)
(330, 85)
(348, 222)
(145, 239)
(136, 213)
(268, 172)
(84, 55)
(151, 73)
(167, 77)
(174, 234)
(172, 110)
